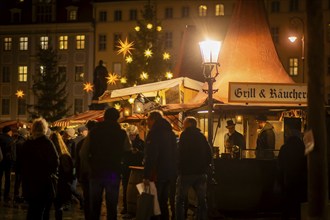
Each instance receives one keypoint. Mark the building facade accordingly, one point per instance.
(28, 25)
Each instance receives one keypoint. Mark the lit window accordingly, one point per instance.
(168, 40)
(21, 107)
(79, 74)
(44, 40)
(23, 43)
(102, 42)
(117, 15)
(185, 12)
(219, 10)
(73, 15)
(293, 66)
(202, 10)
(42, 70)
(5, 110)
(78, 106)
(5, 74)
(103, 16)
(22, 73)
(117, 68)
(7, 43)
(80, 40)
(63, 42)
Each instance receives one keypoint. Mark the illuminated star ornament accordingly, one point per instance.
(117, 106)
(169, 75)
(19, 93)
(123, 80)
(125, 47)
(112, 79)
(88, 87)
(166, 56)
(144, 76)
(129, 59)
(147, 53)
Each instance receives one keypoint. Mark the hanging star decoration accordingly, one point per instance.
(88, 87)
(129, 59)
(125, 47)
(123, 80)
(148, 53)
(144, 76)
(169, 75)
(117, 106)
(19, 93)
(112, 79)
(166, 56)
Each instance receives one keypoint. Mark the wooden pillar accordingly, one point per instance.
(317, 159)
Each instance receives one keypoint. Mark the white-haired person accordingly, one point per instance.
(39, 164)
(134, 157)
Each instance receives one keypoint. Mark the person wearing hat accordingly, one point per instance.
(266, 139)
(7, 147)
(234, 139)
(103, 150)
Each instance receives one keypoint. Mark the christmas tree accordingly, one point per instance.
(49, 88)
(146, 59)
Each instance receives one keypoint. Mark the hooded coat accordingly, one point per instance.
(160, 152)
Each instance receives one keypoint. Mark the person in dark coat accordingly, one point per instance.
(234, 139)
(23, 135)
(7, 147)
(266, 139)
(39, 164)
(160, 158)
(194, 160)
(103, 150)
(134, 157)
(292, 164)
(83, 176)
(65, 175)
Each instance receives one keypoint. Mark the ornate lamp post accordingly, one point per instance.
(295, 22)
(19, 94)
(210, 52)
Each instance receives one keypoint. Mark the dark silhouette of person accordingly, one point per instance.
(99, 80)
(292, 165)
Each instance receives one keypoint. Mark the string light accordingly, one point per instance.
(123, 80)
(166, 56)
(129, 59)
(149, 26)
(137, 28)
(144, 76)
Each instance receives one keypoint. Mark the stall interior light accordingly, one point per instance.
(203, 112)
(239, 119)
(292, 39)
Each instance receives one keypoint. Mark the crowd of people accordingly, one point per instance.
(49, 163)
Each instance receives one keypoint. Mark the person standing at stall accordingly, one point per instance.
(103, 149)
(234, 140)
(266, 139)
(194, 159)
(160, 158)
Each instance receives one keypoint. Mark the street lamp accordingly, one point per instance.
(19, 94)
(295, 22)
(210, 52)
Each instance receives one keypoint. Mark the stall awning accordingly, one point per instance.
(80, 118)
(149, 89)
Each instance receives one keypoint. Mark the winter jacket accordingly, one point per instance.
(7, 148)
(194, 152)
(40, 161)
(106, 145)
(160, 152)
(266, 142)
